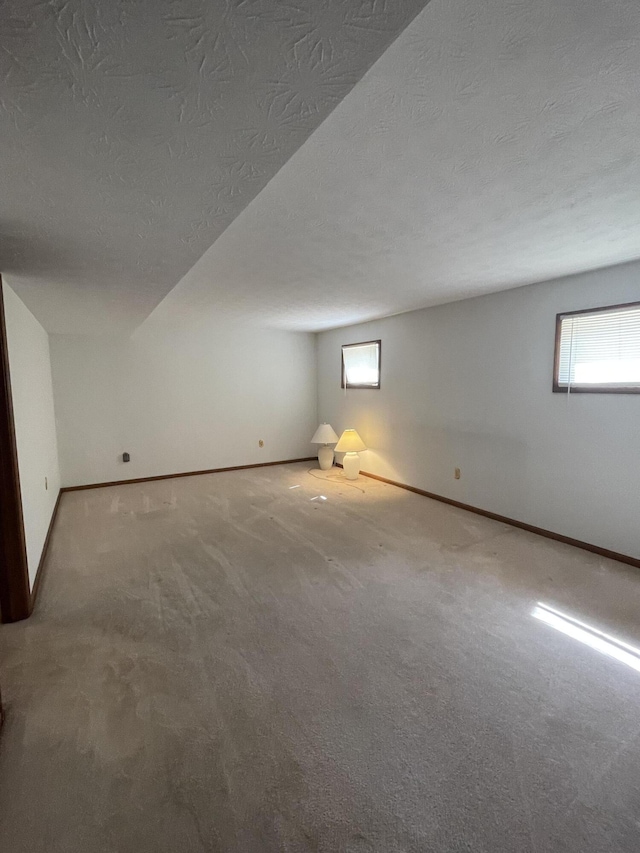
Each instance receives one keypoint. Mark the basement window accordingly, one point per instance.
(361, 365)
(598, 350)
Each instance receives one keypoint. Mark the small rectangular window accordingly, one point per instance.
(361, 365)
(598, 350)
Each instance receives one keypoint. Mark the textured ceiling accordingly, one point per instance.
(494, 144)
(133, 133)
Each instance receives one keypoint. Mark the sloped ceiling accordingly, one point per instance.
(491, 145)
(133, 133)
(494, 144)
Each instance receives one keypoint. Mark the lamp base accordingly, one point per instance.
(325, 457)
(351, 466)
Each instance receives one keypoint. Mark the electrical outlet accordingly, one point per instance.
(261, 443)
(456, 474)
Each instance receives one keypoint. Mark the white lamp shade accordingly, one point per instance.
(350, 442)
(325, 434)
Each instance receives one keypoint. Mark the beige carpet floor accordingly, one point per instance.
(231, 663)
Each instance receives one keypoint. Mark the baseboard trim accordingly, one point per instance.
(186, 474)
(540, 531)
(43, 556)
(522, 525)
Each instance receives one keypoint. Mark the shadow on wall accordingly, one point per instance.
(426, 456)
(27, 251)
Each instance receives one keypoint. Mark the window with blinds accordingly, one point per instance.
(361, 365)
(598, 350)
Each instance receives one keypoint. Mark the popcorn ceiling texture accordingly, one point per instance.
(493, 145)
(132, 134)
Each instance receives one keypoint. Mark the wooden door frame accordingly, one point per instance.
(15, 594)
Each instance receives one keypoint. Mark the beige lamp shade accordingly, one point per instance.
(350, 442)
(325, 434)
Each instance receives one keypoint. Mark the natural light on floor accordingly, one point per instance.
(588, 635)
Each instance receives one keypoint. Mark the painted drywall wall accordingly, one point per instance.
(194, 394)
(35, 426)
(468, 385)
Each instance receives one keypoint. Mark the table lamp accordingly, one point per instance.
(350, 443)
(324, 436)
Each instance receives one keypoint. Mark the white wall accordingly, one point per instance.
(188, 394)
(31, 388)
(468, 385)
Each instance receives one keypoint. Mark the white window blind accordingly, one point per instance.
(361, 365)
(599, 349)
